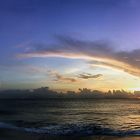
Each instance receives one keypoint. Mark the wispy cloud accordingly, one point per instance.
(97, 51)
(89, 76)
(62, 78)
(59, 77)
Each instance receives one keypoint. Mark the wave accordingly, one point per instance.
(72, 129)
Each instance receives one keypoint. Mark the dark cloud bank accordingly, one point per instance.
(45, 93)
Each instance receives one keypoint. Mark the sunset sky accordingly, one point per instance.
(70, 44)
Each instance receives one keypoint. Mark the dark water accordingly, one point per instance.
(72, 116)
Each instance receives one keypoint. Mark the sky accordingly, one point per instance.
(70, 44)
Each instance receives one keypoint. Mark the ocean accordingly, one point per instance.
(66, 117)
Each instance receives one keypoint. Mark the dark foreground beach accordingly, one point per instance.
(8, 134)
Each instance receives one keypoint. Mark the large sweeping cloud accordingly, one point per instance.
(98, 51)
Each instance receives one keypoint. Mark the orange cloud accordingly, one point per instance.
(100, 53)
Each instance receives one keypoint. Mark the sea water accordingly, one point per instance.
(72, 116)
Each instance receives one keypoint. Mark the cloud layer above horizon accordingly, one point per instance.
(100, 53)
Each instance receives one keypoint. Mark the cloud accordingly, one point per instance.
(97, 51)
(58, 77)
(66, 79)
(88, 76)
